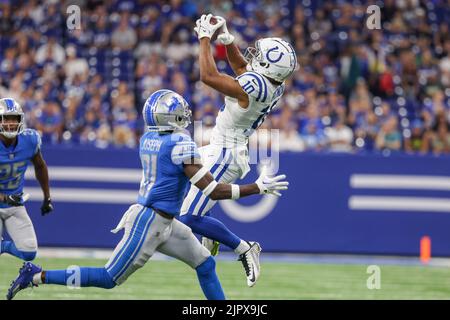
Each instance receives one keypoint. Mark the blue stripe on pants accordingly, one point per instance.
(139, 246)
(136, 221)
(134, 243)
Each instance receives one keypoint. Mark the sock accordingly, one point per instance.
(211, 228)
(37, 278)
(83, 277)
(206, 273)
(242, 247)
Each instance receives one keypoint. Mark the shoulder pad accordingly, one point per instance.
(254, 85)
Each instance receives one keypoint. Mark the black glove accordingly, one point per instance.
(47, 206)
(14, 200)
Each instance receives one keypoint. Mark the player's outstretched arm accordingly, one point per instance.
(234, 55)
(208, 69)
(236, 59)
(216, 80)
(204, 180)
(41, 172)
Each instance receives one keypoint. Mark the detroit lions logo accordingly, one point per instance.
(274, 50)
(174, 103)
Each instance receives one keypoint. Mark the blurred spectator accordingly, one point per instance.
(389, 137)
(50, 122)
(125, 50)
(313, 138)
(418, 141)
(75, 65)
(440, 140)
(124, 37)
(50, 52)
(124, 117)
(290, 139)
(339, 137)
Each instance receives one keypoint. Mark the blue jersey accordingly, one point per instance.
(14, 161)
(163, 184)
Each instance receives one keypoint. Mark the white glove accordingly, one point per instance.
(204, 27)
(269, 185)
(225, 38)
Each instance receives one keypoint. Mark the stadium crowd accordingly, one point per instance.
(356, 90)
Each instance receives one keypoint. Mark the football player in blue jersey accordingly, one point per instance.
(169, 160)
(19, 146)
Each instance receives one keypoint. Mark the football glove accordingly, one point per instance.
(205, 28)
(47, 206)
(14, 200)
(268, 185)
(225, 37)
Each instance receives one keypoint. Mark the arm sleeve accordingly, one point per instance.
(254, 85)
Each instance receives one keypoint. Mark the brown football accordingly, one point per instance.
(213, 21)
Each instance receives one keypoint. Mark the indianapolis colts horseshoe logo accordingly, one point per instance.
(243, 213)
(275, 50)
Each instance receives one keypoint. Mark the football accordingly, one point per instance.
(213, 20)
(218, 31)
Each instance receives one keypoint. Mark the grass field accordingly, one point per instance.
(174, 280)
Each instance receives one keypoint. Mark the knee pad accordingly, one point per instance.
(28, 256)
(206, 266)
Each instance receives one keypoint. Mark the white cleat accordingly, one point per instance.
(250, 261)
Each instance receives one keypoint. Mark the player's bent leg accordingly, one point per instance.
(140, 240)
(83, 277)
(184, 246)
(211, 228)
(21, 230)
(209, 282)
(131, 253)
(31, 275)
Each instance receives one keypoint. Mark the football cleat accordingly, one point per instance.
(250, 262)
(24, 279)
(211, 245)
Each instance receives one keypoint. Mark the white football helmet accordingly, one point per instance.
(273, 57)
(10, 108)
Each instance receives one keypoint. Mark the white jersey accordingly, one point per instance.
(235, 124)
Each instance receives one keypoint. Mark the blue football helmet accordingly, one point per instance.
(166, 110)
(10, 107)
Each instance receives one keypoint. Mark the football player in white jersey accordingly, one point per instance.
(249, 98)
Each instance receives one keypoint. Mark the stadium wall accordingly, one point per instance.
(336, 203)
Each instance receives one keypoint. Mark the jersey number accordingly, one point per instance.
(265, 112)
(248, 87)
(149, 174)
(8, 171)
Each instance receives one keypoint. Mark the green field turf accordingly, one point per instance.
(174, 280)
